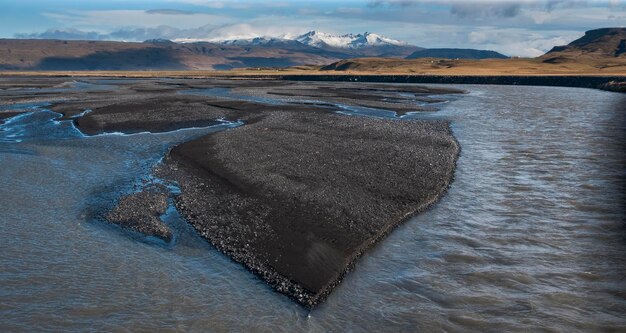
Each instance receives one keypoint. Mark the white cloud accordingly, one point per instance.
(115, 19)
(206, 3)
(241, 31)
(520, 27)
(519, 42)
(64, 33)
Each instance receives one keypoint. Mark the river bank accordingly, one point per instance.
(586, 80)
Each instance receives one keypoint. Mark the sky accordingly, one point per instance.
(525, 28)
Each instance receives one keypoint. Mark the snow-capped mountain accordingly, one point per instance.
(324, 40)
(348, 41)
(334, 46)
(254, 41)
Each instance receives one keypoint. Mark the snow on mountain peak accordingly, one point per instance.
(347, 41)
(262, 40)
(322, 39)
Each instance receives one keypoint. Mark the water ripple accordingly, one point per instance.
(530, 237)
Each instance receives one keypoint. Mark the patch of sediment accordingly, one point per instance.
(141, 212)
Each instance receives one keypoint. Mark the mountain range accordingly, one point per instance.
(349, 45)
(312, 48)
(598, 52)
(323, 40)
(595, 44)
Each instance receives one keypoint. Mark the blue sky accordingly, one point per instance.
(518, 28)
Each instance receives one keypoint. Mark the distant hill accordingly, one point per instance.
(595, 44)
(598, 51)
(40, 54)
(456, 54)
(312, 48)
(612, 66)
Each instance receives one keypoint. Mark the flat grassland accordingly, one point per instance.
(388, 66)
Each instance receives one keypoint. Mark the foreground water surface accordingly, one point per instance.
(531, 236)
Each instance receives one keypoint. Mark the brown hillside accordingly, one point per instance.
(35, 54)
(514, 66)
(595, 44)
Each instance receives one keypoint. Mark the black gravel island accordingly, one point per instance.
(297, 197)
(316, 173)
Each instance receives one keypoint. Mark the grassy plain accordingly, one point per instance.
(385, 66)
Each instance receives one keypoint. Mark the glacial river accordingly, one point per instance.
(531, 236)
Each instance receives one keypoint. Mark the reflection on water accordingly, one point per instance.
(530, 237)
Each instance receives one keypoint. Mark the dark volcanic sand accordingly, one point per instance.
(298, 192)
(141, 212)
(297, 197)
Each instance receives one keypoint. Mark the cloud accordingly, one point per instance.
(520, 27)
(122, 19)
(169, 12)
(560, 4)
(206, 3)
(255, 28)
(489, 9)
(64, 33)
(308, 11)
(519, 42)
(483, 9)
(391, 3)
(348, 10)
(141, 34)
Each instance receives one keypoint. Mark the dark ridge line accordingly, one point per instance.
(573, 81)
(594, 82)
